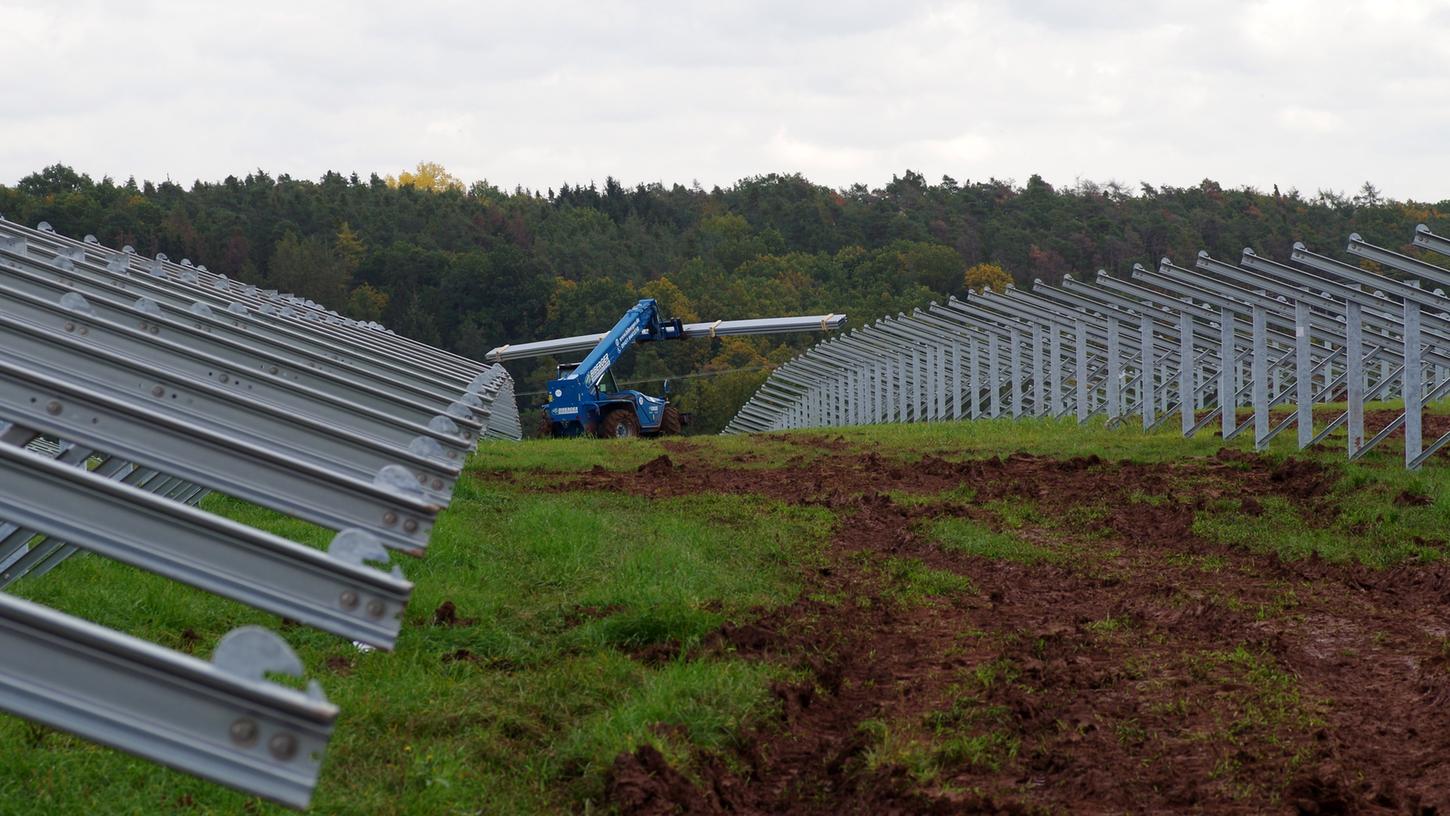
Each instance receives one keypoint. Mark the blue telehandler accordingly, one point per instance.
(583, 399)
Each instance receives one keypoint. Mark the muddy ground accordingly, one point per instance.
(1127, 665)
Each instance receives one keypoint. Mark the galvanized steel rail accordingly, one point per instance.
(1193, 343)
(130, 388)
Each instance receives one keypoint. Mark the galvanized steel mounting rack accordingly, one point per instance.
(130, 388)
(1196, 343)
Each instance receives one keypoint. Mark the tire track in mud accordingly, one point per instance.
(1127, 675)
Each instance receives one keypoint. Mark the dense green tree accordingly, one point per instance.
(471, 266)
(310, 267)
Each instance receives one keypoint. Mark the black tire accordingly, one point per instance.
(670, 423)
(621, 423)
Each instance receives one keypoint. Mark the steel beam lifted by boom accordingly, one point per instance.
(583, 401)
(718, 328)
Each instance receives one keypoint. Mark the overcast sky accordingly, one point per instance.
(1300, 93)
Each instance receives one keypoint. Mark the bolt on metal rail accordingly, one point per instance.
(130, 388)
(1197, 343)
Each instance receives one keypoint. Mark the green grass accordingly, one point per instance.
(967, 732)
(1064, 438)
(563, 454)
(1372, 516)
(1059, 438)
(1259, 714)
(967, 536)
(914, 582)
(563, 587)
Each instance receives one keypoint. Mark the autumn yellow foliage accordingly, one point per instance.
(987, 275)
(430, 176)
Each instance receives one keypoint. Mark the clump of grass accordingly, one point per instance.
(1371, 530)
(968, 733)
(912, 581)
(964, 535)
(995, 673)
(1259, 715)
(1014, 514)
(1108, 625)
(683, 706)
(664, 623)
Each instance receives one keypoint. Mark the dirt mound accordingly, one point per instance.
(447, 615)
(657, 467)
(838, 480)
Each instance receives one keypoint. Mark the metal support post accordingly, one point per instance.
(1115, 373)
(1303, 374)
(921, 393)
(1145, 403)
(1039, 371)
(939, 377)
(974, 378)
(994, 378)
(902, 392)
(1413, 389)
(1227, 399)
(956, 379)
(1014, 377)
(1354, 374)
(1081, 375)
(1260, 376)
(1055, 383)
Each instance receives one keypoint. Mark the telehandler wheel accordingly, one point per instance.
(621, 423)
(670, 423)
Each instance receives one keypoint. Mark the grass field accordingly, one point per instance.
(957, 630)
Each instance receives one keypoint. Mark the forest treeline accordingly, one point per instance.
(469, 267)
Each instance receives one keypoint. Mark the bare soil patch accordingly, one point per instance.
(1144, 669)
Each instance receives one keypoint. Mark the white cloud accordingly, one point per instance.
(1295, 118)
(969, 148)
(1304, 93)
(813, 158)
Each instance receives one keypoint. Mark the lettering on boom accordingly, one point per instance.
(598, 370)
(628, 336)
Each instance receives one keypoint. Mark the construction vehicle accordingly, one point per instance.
(583, 399)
